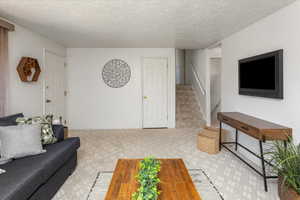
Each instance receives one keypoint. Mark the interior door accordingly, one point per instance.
(54, 87)
(155, 90)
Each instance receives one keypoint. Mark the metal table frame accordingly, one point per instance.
(261, 156)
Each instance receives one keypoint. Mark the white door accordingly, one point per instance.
(155, 90)
(54, 86)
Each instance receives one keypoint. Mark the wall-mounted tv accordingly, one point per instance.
(262, 75)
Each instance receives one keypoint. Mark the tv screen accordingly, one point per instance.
(262, 75)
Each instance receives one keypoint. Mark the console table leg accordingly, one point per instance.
(236, 139)
(263, 165)
(220, 136)
(285, 144)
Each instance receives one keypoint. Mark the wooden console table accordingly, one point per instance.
(257, 128)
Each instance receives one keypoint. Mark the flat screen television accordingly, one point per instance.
(262, 75)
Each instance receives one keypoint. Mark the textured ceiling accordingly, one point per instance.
(137, 23)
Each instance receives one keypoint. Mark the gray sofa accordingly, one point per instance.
(39, 177)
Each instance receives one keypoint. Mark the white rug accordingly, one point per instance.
(204, 185)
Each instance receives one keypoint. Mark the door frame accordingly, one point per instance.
(45, 51)
(142, 89)
(210, 86)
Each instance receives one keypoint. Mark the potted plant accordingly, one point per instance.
(286, 159)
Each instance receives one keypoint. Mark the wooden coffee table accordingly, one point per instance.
(176, 183)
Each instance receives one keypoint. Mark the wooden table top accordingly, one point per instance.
(253, 121)
(264, 128)
(176, 183)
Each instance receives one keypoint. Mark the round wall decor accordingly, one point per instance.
(116, 73)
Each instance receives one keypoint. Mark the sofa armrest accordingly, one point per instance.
(58, 131)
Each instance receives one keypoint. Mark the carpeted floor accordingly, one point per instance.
(100, 150)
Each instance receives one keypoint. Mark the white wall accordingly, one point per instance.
(180, 65)
(278, 31)
(27, 97)
(94, 105)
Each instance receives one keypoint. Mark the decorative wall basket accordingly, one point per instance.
(116, 73)
(29, 69)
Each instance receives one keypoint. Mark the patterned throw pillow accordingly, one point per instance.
(47, 134)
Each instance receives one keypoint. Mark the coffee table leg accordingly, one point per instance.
(220, 136)
(263, 165)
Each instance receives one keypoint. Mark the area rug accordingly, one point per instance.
(203, 184)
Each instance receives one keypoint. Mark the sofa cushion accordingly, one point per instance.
(24, 176)
(21, 179)
(58, 154)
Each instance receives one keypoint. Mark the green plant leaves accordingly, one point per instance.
(148, 180)
(287, 163)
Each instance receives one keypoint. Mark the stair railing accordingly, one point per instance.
(200, 84)
(216, 107)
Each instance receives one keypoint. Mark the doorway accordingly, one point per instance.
(54, 85)
(215, 88)
(155, 92)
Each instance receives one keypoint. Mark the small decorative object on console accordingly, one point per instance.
(29, 69)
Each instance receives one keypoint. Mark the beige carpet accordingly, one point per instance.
(100, 150)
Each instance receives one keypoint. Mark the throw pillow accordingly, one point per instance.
(8, 121)
(47, 134)
(3, 160)
(21, 141)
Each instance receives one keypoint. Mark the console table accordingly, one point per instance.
(257, 128)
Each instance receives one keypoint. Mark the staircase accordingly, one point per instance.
(188, 113)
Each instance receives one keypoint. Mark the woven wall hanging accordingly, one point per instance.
(116, 73)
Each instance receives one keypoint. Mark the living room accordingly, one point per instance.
(96, 85)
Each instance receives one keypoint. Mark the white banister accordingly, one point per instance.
(200, 84)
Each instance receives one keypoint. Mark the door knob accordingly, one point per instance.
(48, 101)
